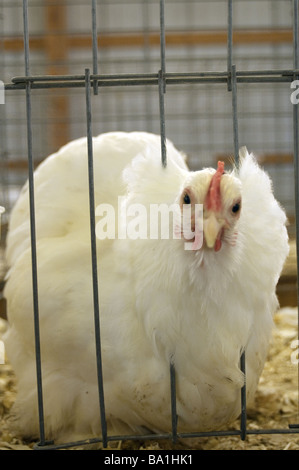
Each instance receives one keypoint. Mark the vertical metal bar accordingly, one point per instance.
(235, 114)
(26, 37)
(147, 62)
(94, 258)
(232, 87)
(243, 399)
(295, 131)
(4, 174)
(232, 79)
(162, 120)
(162, 85)
(296, 151)
(174, 417)
(295, 35)
(94, 45)
(33, 229)
(229, 43)
(162, 39)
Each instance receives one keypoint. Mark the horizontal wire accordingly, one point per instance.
(78, 81)
(233, 432)
(239, 73)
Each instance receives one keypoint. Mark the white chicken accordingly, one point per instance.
(159, 302)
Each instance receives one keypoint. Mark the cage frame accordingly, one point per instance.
(91, 81)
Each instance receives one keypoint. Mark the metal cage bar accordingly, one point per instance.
(162, 84)
(112, 80)
(235, 114)
(94, 44)
(94, 259)
(33, 229)
(296, 154)
(162, 79)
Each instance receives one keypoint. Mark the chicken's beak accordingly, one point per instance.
(211, 229)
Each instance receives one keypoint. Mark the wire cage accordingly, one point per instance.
(136, 79)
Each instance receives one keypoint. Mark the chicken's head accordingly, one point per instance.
(220, 194)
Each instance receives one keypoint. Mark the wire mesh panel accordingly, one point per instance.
(149, 86)
(196, 42)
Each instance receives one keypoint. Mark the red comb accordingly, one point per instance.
(213, 199)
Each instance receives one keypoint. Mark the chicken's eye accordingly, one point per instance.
(236, 208)
(187, 199)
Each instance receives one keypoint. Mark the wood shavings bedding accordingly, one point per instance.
(276, 402)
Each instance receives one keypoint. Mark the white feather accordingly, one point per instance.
(158, 302)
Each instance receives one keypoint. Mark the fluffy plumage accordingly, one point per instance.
(159, 302)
